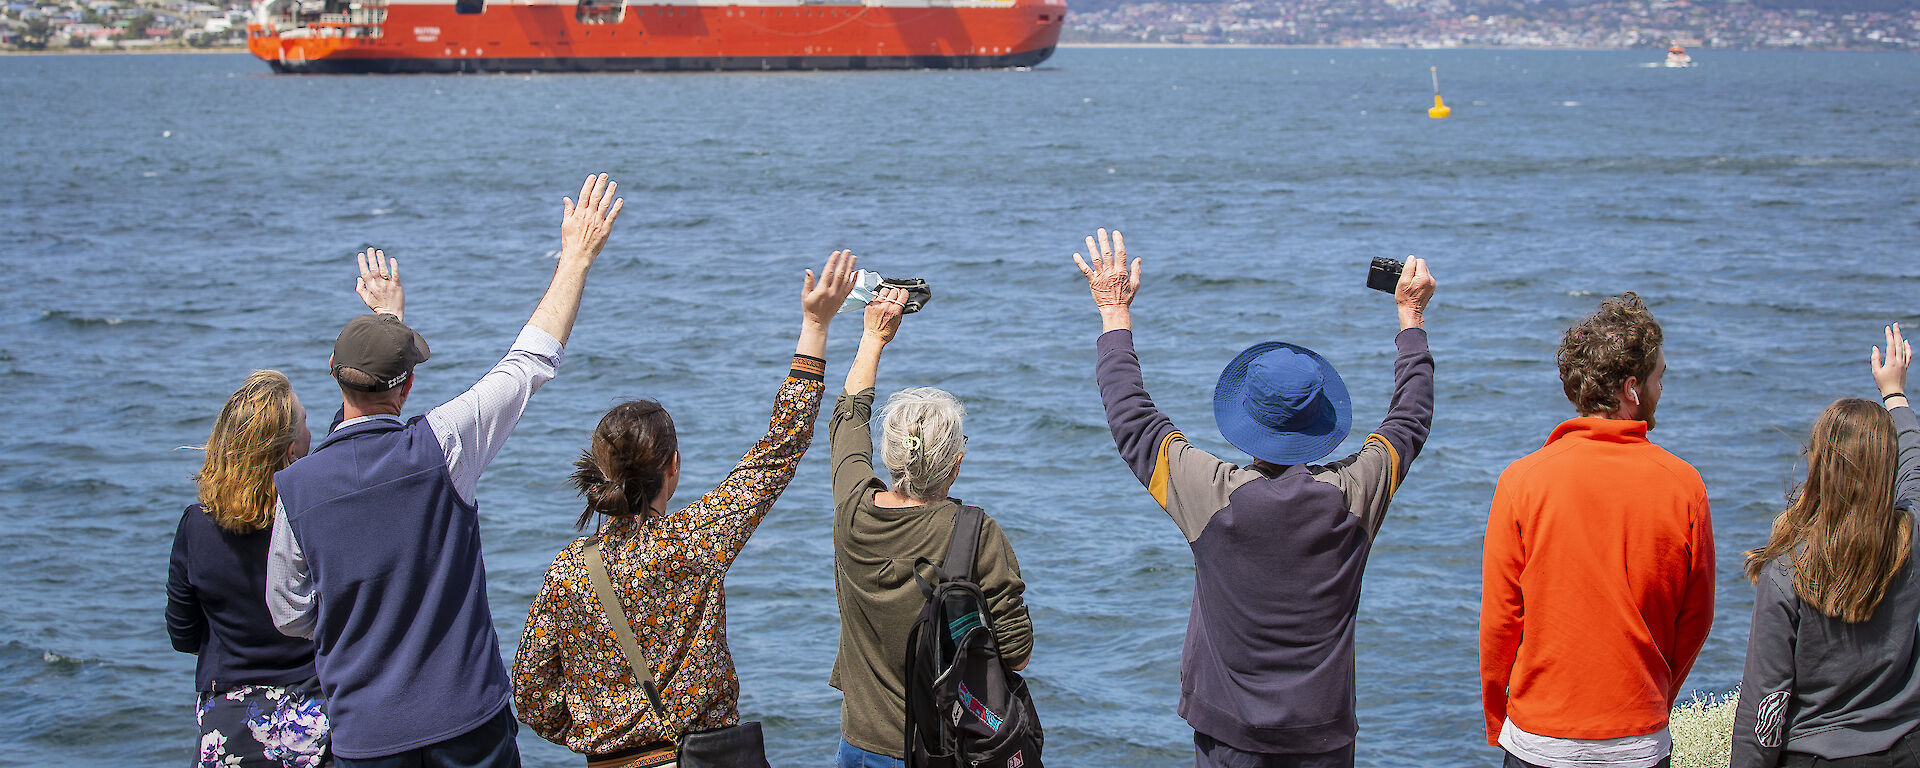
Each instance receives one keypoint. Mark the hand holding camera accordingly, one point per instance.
(1409, 282)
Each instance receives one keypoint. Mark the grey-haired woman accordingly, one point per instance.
(880, 528)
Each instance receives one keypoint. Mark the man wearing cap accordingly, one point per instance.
(376, 538)
(1597, 578)
(1279, 545)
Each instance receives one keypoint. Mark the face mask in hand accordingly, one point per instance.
(867, 284)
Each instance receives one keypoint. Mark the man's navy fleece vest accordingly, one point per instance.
(406, 650)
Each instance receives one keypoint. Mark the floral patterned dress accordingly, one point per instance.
(262, 725)
(571, 682)
(259, 704)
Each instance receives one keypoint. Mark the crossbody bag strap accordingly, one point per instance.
(622, 630)
(965, 544)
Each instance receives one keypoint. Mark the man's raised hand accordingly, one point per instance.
(1111, 279)
(583, 232)
(379, 284)
(585, 226)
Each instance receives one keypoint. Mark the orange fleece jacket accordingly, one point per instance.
(1597, 586)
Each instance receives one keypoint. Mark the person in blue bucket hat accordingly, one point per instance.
(1279, 545)
(1282, 404)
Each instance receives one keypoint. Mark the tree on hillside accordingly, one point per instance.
(36, 33)
(136, 29)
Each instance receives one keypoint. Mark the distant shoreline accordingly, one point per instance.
(140, 51)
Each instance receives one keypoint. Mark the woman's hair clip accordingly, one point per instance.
(911, 442)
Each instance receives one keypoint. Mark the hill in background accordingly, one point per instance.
(1802, 24)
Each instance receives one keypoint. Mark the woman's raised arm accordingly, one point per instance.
(883, 321)
(1890, 375)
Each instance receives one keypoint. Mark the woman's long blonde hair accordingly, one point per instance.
(1840, 531)
(248, 444)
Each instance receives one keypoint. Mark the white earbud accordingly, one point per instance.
(1634, 396)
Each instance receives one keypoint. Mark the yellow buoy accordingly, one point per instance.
(1440, 108)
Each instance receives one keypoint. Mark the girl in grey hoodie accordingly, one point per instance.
(1833, 662)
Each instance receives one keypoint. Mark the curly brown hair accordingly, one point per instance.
(1599, 353)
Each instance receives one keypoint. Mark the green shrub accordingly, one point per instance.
(1703, 731)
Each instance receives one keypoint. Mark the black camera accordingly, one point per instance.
(1384, 274)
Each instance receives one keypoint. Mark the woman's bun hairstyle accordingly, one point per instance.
(626, 466)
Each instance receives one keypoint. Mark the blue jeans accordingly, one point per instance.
(851, 756)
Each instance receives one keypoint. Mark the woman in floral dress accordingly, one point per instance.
(571, 681)
(259, 699)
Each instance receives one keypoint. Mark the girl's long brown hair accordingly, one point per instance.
(1840, 531)
(248, 444)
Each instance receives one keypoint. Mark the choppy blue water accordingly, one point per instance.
(173, 222)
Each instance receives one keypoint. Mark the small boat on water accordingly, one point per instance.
(1677, 57)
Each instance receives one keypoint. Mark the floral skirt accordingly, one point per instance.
(266, 726)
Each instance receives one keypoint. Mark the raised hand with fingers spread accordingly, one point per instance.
(1112, 280)
(1890, 373)
(820, 300)
(379, 284)
(584, 227)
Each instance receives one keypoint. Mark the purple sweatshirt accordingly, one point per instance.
(1278, 556)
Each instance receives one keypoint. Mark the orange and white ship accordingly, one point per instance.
(384, 36)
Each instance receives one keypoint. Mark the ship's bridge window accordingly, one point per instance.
(469, 6)
(600, 11)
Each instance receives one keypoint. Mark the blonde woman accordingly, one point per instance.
(880, 528)
(259, 701)
(1833, 661)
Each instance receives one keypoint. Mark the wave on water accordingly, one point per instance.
(79, 320)
(692, 222)
(21, 656)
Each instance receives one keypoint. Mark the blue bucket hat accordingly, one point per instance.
(1282, 403)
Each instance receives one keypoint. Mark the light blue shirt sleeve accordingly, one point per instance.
(290, 594)
(473, 427)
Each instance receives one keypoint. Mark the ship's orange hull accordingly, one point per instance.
(519, 38)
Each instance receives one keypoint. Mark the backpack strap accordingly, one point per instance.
(622, 630)
(965, 544)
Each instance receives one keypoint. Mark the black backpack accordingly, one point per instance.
(964, 707)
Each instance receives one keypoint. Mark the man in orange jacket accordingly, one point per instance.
(1598, 571)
